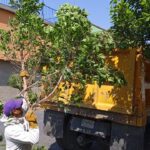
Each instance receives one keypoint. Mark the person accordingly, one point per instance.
(21, 128)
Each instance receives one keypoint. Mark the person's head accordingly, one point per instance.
(13, 107)
(17, 112)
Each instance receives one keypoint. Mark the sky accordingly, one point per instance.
(98, 10)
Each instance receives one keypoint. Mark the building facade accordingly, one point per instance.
(6, 67)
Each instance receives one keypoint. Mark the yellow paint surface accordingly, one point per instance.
(108, 97)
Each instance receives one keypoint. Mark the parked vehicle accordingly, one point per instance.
(114, 115)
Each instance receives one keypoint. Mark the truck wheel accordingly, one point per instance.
(74, 141)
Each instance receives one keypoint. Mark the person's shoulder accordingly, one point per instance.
(14, 129)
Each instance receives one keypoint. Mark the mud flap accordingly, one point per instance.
(124, 137)
(53, 123)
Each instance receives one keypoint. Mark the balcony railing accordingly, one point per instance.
(47, 13)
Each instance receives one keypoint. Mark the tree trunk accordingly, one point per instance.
(25, 94)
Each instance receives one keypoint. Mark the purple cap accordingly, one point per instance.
(10, 105)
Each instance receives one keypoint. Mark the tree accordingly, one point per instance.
(131, 24)
(68, 50)
(77, 54)
(23, 40)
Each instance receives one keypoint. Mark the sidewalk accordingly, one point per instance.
(2, 146)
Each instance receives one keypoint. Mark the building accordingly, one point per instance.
(6, 67)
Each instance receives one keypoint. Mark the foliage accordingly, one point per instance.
(15, 81)
(23, 41)
(25, 33)
(68, 50)
(39, 148)
(32, 97)
(1, 108)
(77, 53)
(4, 37)
(131, 23)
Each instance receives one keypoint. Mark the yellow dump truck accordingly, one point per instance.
(114, 115)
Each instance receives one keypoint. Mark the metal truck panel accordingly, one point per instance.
(90, 127)
(108, 97)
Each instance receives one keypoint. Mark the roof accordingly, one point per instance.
(96, 28)
(46, 13)
(8, 8)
